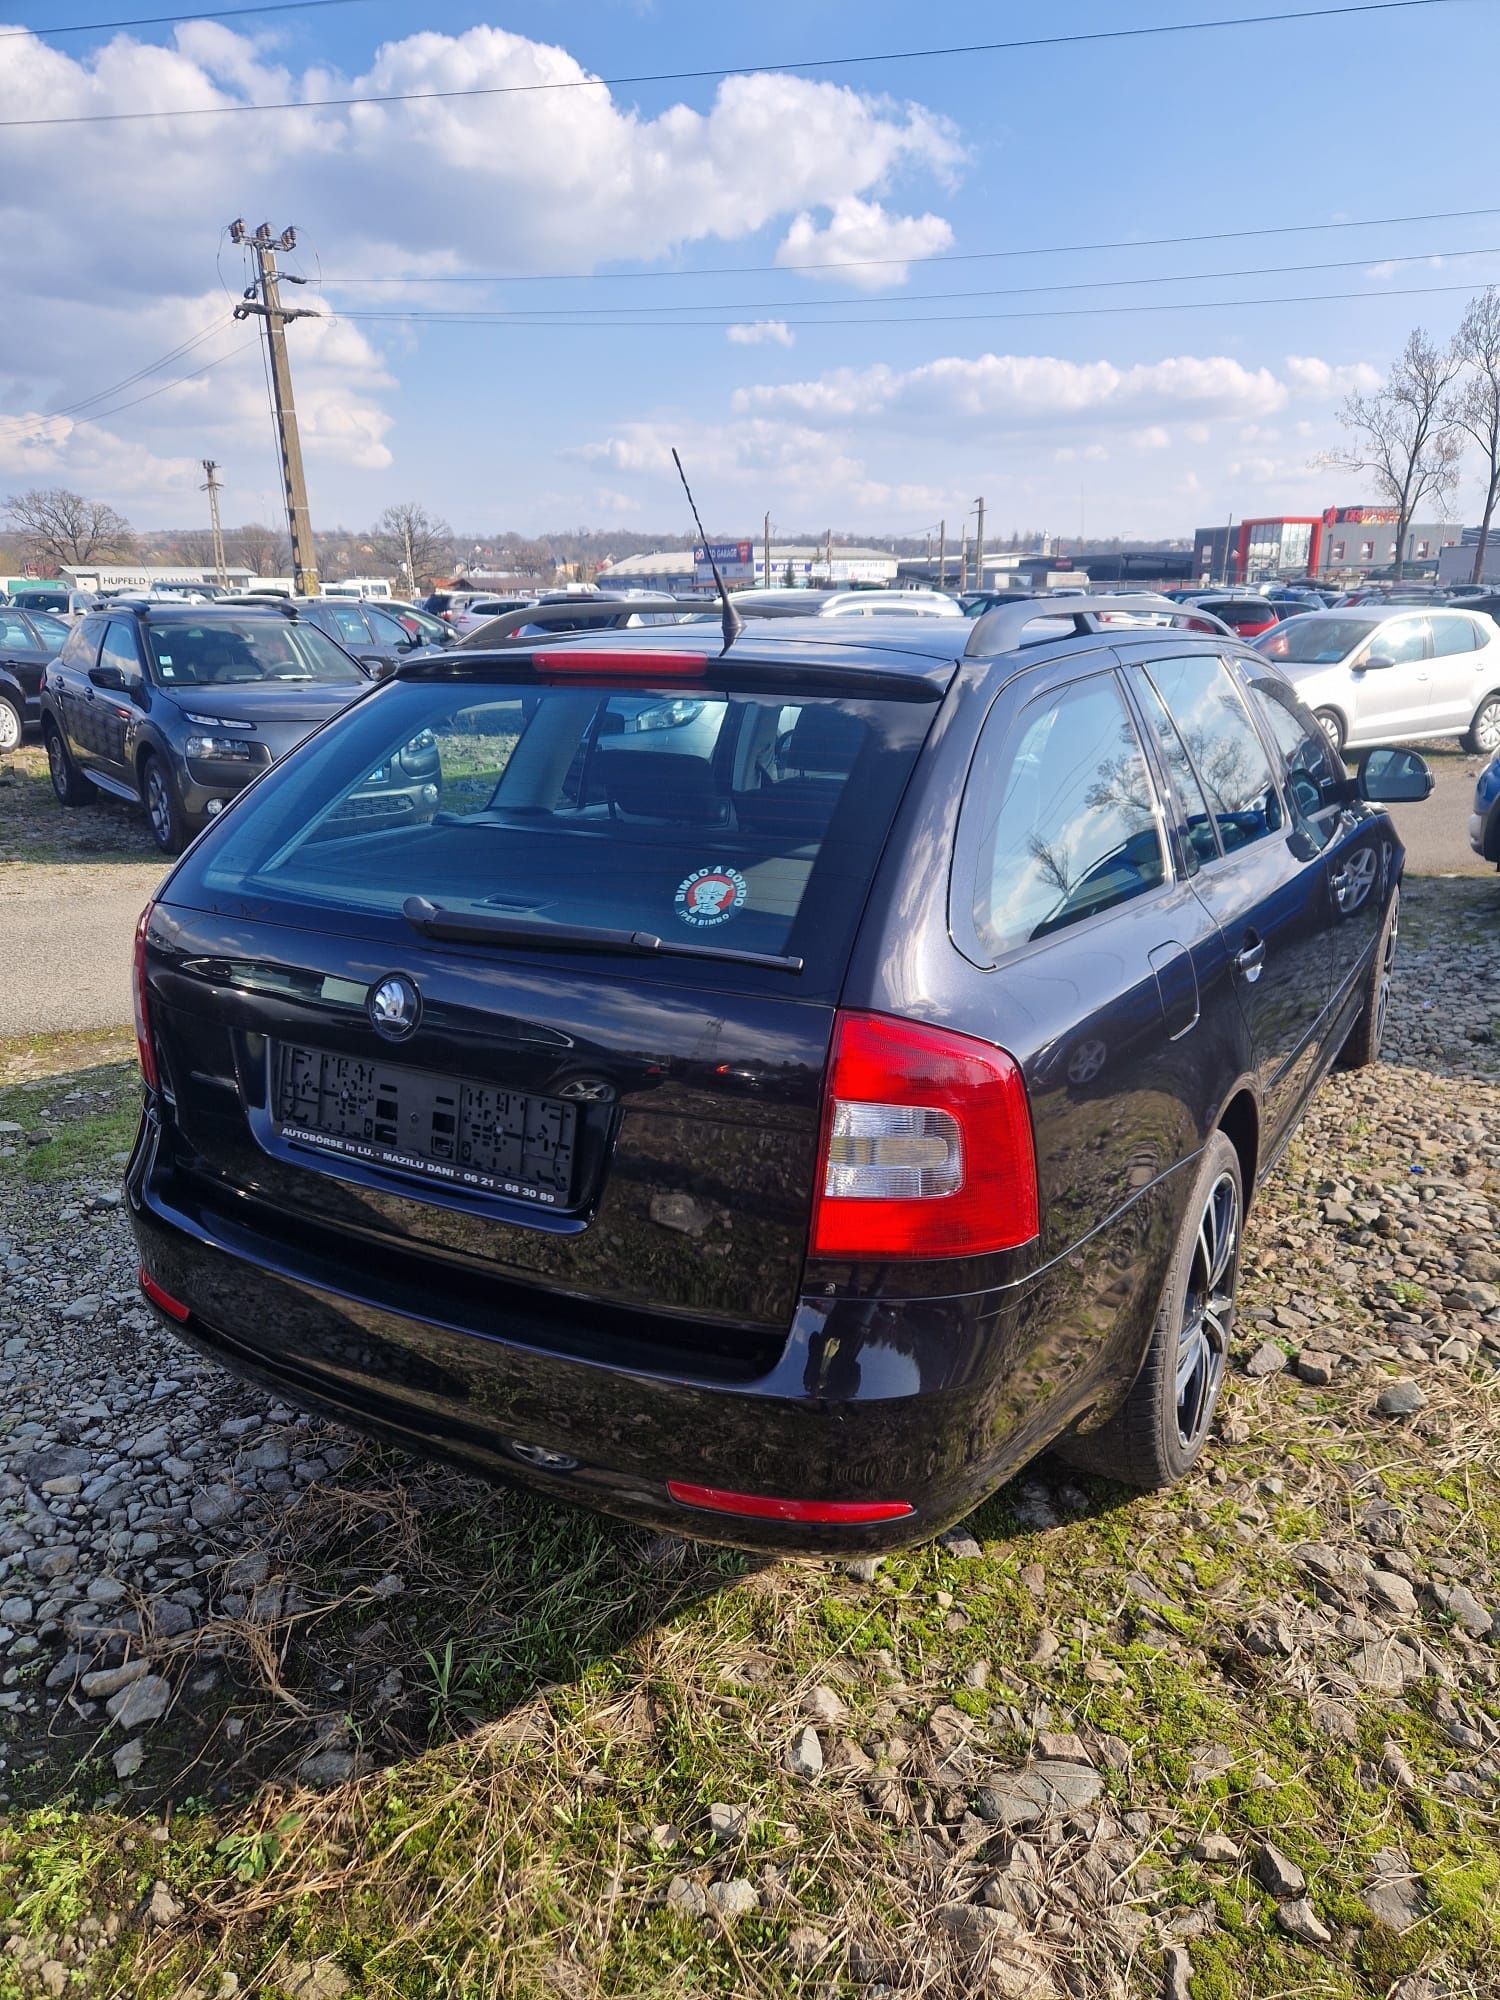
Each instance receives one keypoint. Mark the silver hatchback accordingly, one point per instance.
(1373, 675)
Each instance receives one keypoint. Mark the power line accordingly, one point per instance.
(128, 381)
(1099, 35)
(102, 416)
(907, 319)
(845, 304)
(939, 257)
(170, 20)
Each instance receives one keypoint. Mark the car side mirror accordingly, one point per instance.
(110, 679)
(1393, 777)
(1377, 660)
(381, 666)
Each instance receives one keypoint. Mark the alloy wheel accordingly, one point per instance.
(1329, 724)
(1387, 970)
(1487, 727)
(158, 805)
(10, 727)
(1356, 879)
(1203, 1339)
(57, 763)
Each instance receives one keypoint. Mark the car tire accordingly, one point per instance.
(68, 782)
(1158, 1433)
(11, 724)
(1483, 734)
(1363, 1044)
(1332, 725)
(164, 813)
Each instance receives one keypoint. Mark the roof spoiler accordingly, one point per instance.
(1001, 630)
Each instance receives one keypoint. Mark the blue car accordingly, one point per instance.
(1484, 821)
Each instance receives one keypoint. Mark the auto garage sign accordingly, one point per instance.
(736, 561)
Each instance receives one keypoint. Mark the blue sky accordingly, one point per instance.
(1070, 416)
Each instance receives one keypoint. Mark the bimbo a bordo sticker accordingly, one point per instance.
(711, 896)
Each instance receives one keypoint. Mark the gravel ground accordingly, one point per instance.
(180, 1558)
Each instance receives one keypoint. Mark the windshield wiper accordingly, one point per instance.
(474, 927)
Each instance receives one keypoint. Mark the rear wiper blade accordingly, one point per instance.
(474, 927)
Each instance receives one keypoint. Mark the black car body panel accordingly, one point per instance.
(28, 640)
(637, 1303)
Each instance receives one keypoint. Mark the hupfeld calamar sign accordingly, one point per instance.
(736, 561)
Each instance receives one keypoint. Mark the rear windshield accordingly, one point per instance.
(746, 820)
(228, 652)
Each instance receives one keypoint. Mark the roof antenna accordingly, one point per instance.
(733, 623)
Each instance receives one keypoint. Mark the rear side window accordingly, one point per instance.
(1068, 822)
(1453, 635)
(1228, 755)
(751, 820)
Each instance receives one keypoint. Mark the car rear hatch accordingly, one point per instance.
(571, 1030)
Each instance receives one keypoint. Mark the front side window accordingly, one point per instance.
(51, 632)
(1068, 820)
(1222, 741)
(119, 650)
(348, 623)
(1401, 642)
(15, 634)
(226, 652)
(1313, 777)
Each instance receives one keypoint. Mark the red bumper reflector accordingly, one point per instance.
(761, 1507)
(628, 665)
(173, 1308)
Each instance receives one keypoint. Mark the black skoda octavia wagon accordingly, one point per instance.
(772, 1095)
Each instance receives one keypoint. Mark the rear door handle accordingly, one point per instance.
(1250, 959)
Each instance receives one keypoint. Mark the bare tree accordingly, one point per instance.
(59, 527)
(1403, 433)
(260, 549)
(417, 544)
(1474, 407)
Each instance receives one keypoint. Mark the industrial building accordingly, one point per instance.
(1341, 541)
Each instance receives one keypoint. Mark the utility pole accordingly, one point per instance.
(942, 554)
(211, 488)
(828, 558)
(963, 557)
(1228, 559)
(274, 318)
(979, 546)
(411, 567)
(765, 582)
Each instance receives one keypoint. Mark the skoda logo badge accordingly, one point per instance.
(394, 1006)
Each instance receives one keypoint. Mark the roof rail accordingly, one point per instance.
(1000, 630)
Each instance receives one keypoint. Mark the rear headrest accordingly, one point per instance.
(824, 738)
(661, 784)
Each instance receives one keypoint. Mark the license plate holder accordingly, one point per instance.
(467, 1136)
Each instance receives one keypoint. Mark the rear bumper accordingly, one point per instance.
(931, 1402)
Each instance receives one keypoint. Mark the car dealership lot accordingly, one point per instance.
(383, 1719)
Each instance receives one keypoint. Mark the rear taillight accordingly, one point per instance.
(927, 1147)
(142, 1006)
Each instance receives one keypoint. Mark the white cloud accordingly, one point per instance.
(1307, 375)
(999, 392)
(754, 333)
(1155, 437)
(879, 249)
(545, 180)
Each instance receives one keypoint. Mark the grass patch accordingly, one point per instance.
(87, 1118)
